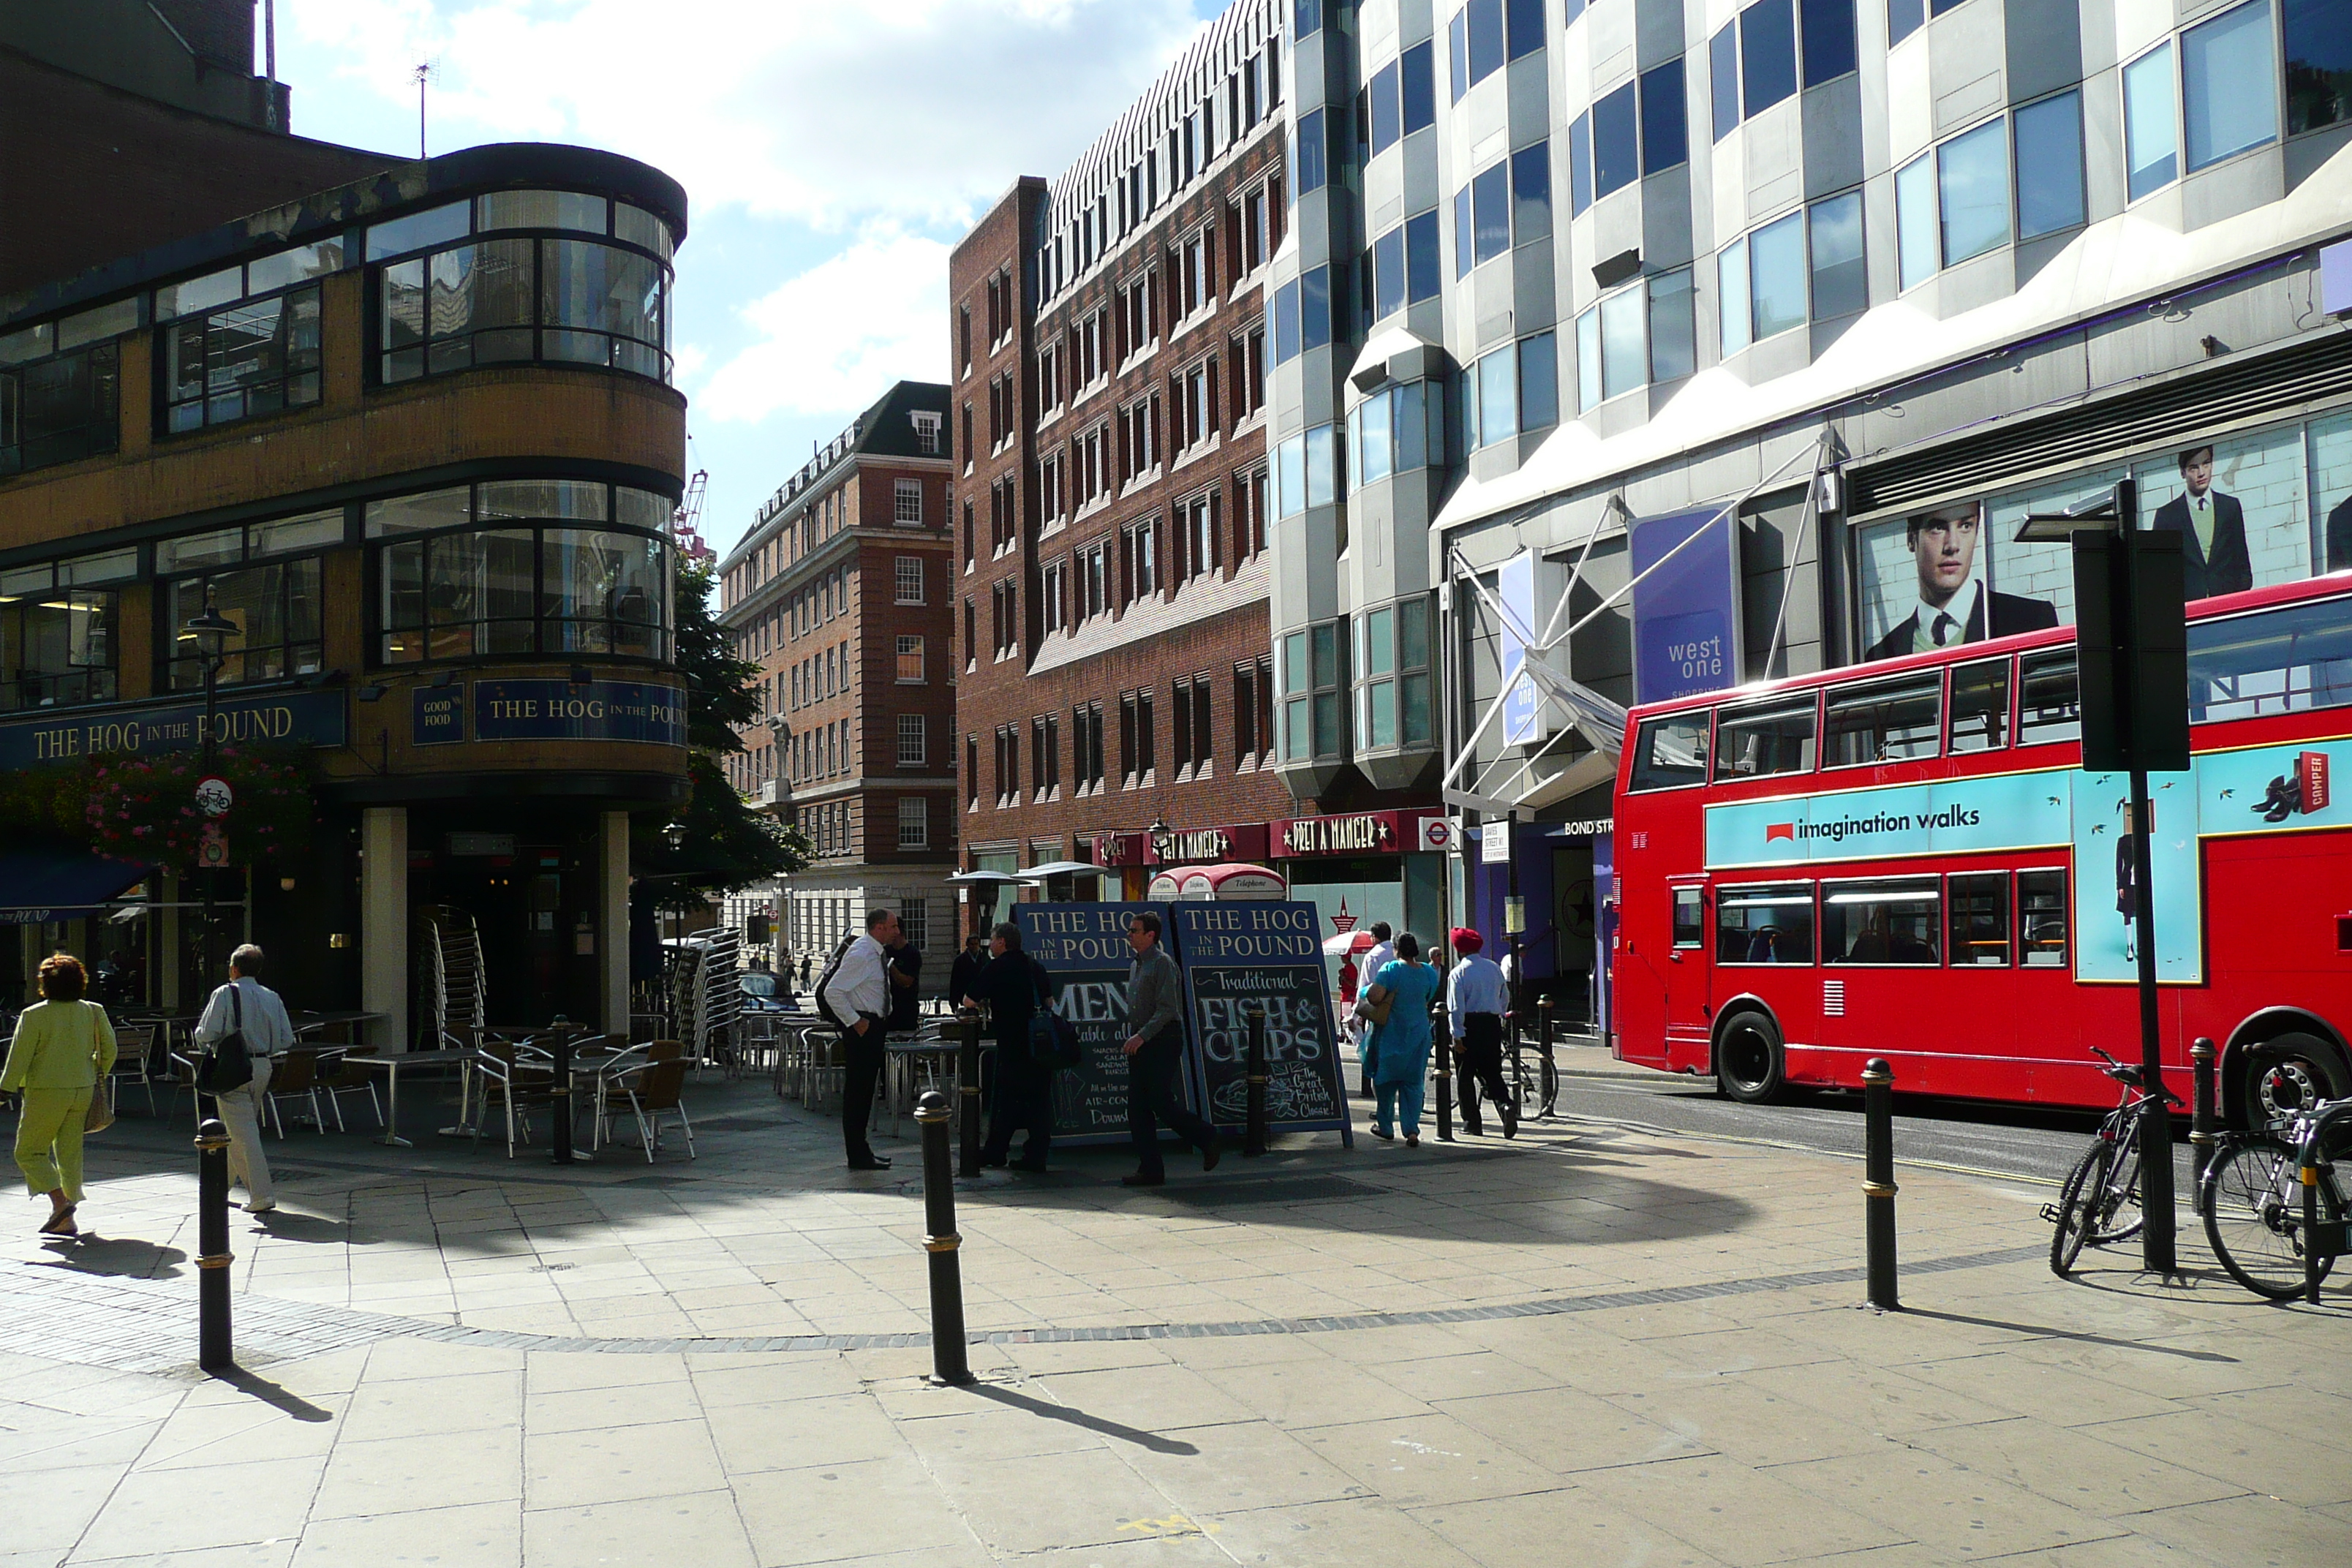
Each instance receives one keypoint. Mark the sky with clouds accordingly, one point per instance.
(833, 153)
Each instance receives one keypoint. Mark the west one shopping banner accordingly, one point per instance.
(2262, 789)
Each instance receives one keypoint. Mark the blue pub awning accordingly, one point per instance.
(38, 885)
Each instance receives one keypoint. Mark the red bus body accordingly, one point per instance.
(2273, 867)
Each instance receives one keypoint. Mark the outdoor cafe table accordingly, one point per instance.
(307, 1024)
(389, 1064)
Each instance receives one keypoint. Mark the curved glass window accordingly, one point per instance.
(520, 567)
(575, 300)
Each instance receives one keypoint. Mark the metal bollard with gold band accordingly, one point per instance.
(950, 1364)
(1878, 1181)
(214, 1351)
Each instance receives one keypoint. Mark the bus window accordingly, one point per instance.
(1765, 923)
(1883, 720)
(2042, 919)
(2284, 660)
(2047, 707)
(1765, 738)
(1981, 706)
(1977, 905)
(1671, 751)
(1882, 922)
(1690, 926)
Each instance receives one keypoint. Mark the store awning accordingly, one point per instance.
(38, 885)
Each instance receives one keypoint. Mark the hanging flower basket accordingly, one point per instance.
(145, 808)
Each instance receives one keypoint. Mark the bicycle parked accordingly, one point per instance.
(2253, 1199)
(2104, 1184)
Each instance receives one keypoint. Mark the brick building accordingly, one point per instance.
(1110, 354)
(406, 426)
(843, 592)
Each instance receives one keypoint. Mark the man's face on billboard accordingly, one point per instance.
(1945, 545)
(2199, 470)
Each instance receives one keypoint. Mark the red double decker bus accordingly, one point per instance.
(1907, 859)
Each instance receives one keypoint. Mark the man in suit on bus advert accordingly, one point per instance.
(2212, 527)
(1953, 605)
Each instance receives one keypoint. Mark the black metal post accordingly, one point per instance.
(214, 1351)
(561, 1093)
(1253, 1130)
(949, 1360)
(967, 1090)
(2311, 1247)
(2201, 1117)
(1551, 1066)
(210, 874)
(1441, 1045)
(1878, 1181)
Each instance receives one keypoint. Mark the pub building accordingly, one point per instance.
(409, 435)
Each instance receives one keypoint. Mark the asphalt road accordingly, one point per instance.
(2003, 1140)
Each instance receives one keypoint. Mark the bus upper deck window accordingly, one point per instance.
(1883, 720)
(2048, 708)
(2281, 661)
(1765, 737)
(1981, 706)
(1671, 751)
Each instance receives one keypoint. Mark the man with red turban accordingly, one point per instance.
(1475, 1000)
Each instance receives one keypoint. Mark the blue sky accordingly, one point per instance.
(833, 153)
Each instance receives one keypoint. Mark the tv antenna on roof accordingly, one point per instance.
(423, 71)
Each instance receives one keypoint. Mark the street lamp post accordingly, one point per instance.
(209, 632)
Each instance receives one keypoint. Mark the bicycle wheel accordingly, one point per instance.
(2253, 1203)
(2119, 1216)
(2078, 1203)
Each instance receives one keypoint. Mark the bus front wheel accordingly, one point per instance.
(1747, 1060)
(2290, 1074)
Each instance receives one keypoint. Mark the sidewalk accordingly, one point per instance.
(1590, 1344)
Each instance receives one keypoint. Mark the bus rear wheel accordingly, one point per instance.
(2290, 1074)
(1747, 1060)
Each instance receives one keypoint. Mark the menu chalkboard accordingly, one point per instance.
(1084, 947)
(1269, 952)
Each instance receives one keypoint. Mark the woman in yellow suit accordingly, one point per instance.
(63, 1047)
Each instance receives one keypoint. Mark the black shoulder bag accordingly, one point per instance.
(226, 1064)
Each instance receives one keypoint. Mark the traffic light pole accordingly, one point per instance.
(2156, 1253)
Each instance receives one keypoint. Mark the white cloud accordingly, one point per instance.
(832, 337)
(826, 111)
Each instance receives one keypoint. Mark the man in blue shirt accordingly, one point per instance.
(1475, 1000)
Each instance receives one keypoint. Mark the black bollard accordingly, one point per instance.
(2312, 1246)
(1254, 1129)
(967, 1090)
(559, 1093)
(1550, 1068)
(1878, 1180)
(948, 1364)
(1441, 1045)
(2201, 1119)
(214, 1351)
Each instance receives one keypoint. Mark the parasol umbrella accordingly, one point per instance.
(1348, 944)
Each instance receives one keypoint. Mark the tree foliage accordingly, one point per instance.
(726, 845)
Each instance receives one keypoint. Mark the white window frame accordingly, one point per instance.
(916, 728)
(915, 828)
(909, 647)
(907, 502)
(910, 566)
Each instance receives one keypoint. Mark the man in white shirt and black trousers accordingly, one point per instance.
(860, 990)
(1476, 997)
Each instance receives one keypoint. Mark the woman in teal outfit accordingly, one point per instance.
(1401, 1044)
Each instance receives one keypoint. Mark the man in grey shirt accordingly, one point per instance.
(1155, 1012)
(245, 1005)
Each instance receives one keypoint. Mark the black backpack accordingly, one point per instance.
(1053, 1039)
(824, 982)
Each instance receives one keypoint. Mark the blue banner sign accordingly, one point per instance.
(437, 714)
(1515, 585)
(2273, 789)
(1083, 948)
(591, 710)
(1952, 817)
(1686, 634)
(300, 717)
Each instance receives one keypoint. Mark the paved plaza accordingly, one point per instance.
(1596, 1344)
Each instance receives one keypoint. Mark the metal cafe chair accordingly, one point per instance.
(132, 1044)
(294, 1075)
(645, 1091)
(350, 1078)
(515, 1071)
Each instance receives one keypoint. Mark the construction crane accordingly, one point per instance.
(686, 525)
